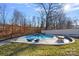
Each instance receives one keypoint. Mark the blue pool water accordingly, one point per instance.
(39, 36)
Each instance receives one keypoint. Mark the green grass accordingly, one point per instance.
(21, 49)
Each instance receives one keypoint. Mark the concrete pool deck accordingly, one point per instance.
(51, 41)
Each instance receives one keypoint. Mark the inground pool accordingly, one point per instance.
(39, 36)
(42, 38)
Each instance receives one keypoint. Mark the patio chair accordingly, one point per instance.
(36, 40)
(60, 39)
(69, 38)
(29, 40)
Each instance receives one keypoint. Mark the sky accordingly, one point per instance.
(27, 10)
(70, 9)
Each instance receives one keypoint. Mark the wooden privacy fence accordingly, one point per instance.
(16, 31)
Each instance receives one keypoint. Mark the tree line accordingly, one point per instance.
(51, 16)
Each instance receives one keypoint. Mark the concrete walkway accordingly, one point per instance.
(4, 42)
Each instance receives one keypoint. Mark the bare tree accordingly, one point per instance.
(69, 24)
(18, 19)
(3, 14)
(75, 22)
(48, 10)
(12, 23)
(54, 16)
(33, 23)
(43, 22)
(38, 21)
(24, 23)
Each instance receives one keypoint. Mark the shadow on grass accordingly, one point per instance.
(22, 49)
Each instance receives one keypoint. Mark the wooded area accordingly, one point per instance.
(51, 16)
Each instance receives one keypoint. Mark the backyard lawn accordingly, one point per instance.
(22, 49)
